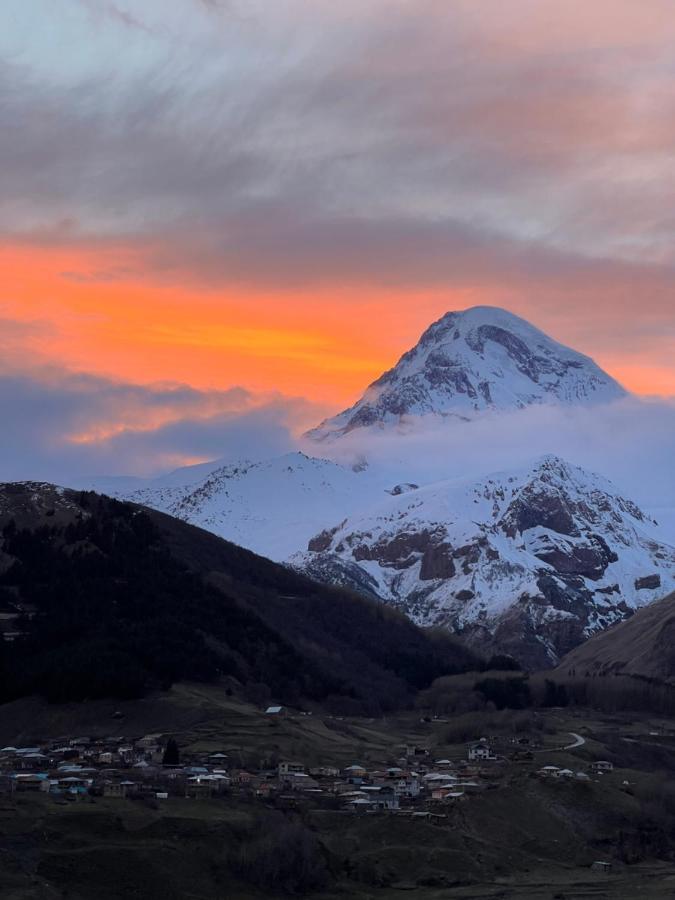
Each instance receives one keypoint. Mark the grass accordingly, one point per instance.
(524, 839)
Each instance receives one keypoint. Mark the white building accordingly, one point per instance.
(290, 768)
(480, 751)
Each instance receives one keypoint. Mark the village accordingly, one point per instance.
(151, 768)
(379, 794)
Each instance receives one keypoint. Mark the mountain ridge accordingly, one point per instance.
(271, 506)
(537, 558)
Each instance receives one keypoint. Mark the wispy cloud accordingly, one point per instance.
(431, 116)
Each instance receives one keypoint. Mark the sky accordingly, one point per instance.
(221, 219)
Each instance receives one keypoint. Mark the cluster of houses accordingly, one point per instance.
(77, 768)
(407, 786)
(601, 767)
(73, 769)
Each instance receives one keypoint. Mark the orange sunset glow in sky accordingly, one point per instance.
(146, 330)
(238, 214)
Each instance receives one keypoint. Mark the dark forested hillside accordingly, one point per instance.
(104, 598)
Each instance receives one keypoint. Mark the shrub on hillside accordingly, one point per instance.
(511, 693)
(284, 858)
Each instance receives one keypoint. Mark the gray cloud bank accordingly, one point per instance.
(428, 119)
(63, 427)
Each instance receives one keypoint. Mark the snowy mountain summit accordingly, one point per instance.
(529, 562)
(472, 361)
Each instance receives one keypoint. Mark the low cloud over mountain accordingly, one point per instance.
(63, 426)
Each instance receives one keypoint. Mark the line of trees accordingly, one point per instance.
(458, 695)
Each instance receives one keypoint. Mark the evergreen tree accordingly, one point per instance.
(171, 754)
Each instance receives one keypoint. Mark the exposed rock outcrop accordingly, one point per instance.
(530, 563)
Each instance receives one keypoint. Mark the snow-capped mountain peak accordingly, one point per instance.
(529, 561)
(479, 359)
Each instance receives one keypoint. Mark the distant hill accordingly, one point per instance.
(643, 645)
(104, 598)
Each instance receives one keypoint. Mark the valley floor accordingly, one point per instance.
(521, 835)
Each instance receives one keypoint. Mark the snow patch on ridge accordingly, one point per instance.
(272, 507)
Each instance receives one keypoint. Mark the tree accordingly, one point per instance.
(505, 693)
(555, 694)
(171, 753)
(502, 662)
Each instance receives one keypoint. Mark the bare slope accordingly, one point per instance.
(642, 645)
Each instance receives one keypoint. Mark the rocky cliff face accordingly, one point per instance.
(530, 562)
(470, 362)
